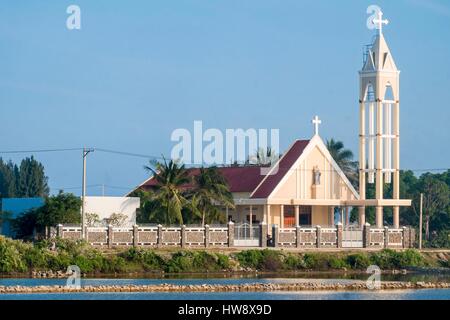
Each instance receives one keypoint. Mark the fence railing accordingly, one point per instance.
(332, 237)
(152, 235)
(231, 235)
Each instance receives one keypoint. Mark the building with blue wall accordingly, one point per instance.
(15, 207)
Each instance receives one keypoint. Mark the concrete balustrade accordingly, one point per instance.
(212, 236)
(152, 236)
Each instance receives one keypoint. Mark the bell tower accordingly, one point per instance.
(379, 139)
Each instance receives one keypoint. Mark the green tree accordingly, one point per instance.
(265, 157)
(344, 159)
(9, 175)
(32, 181)
(436, 197)
(211, 191)
(24, 226)
(168, 197)
(63, 208)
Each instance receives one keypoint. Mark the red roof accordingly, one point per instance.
(240, 179)
(248, 178)
(284, 165)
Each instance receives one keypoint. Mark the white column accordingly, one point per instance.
(379, 167)
(362, 162)
(297, 215)
(269, 223)
(282, 216)
(387, 141)
(396, 163)
(379, 156)
(251, 221)
(371, 142)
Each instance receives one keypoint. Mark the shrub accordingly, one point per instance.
(114, 264)
(83, 263)
(294, 262)
(250, 258)
(36, 258)
(316, 261)
(203, 260)
(179, 262)
(337, 262)
(151, 261)
(10, 257)
(271, 260)
(384, 259)
(410, 258)
(358, 261)
(223, 261)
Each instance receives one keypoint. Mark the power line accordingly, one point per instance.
(93, 186)
(131, 154)
(40, 150)
(124, 153)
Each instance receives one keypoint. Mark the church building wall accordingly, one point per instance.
(299, 182)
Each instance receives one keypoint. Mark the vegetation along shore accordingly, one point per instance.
(54, 257)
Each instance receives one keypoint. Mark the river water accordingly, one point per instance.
(423, 294)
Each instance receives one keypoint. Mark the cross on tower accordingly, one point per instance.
(316, 121)
(379, 21)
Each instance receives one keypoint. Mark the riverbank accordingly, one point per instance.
(252, 287)
(51, 260)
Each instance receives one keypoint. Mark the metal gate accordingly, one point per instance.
(352, 237)
(246, 235)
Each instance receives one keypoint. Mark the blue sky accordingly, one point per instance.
(137, 70)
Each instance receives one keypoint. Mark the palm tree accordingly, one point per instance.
(344, 159)
(263, 157)
(211, 190)
(168, 198)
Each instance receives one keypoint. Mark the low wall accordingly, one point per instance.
(301, 237)
(154, 236)
(207, 236)
(390, 237)
(331, 237)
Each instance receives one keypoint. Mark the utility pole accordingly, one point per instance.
(83, 192)
(420, 221)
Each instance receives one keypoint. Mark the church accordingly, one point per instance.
(306, 187)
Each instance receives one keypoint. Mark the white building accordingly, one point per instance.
(105, 207)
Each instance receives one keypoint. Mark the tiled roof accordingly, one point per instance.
(249, 178)
(240, 179)
(284, 165)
